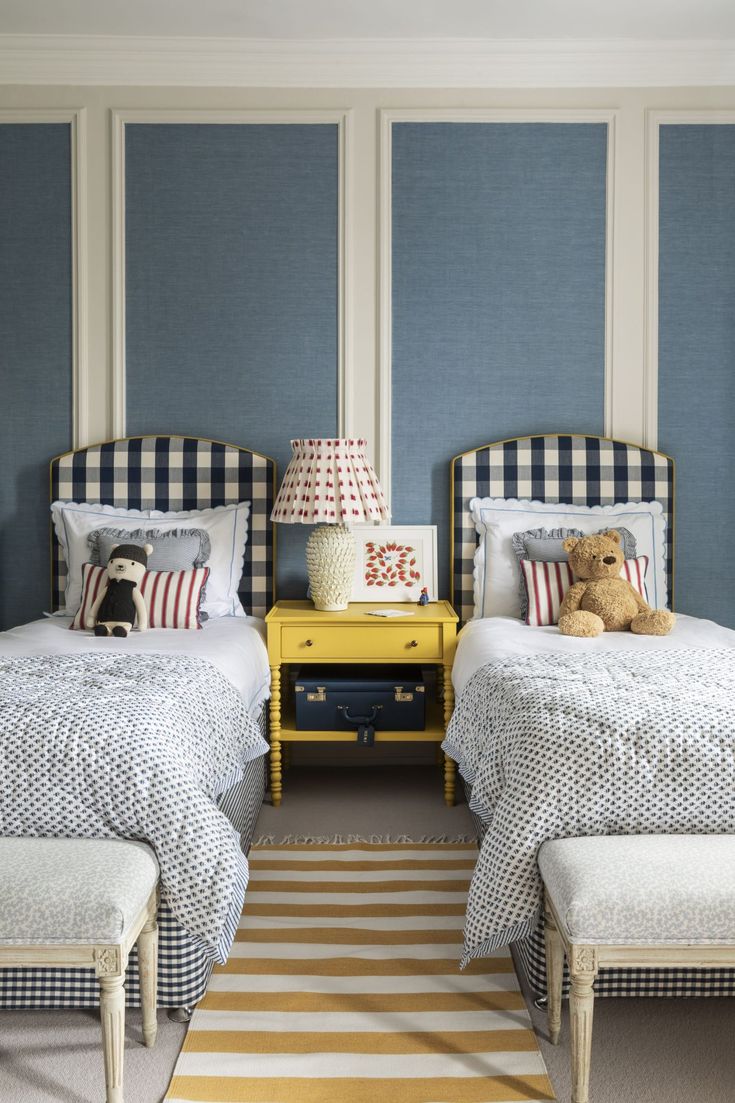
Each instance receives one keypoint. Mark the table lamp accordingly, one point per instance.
(330, 483)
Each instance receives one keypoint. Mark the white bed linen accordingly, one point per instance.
(235, 645)
(489, 638)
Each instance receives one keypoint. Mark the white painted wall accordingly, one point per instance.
(627, 393)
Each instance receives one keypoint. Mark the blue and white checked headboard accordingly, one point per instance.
(553, 468)
(175, 473)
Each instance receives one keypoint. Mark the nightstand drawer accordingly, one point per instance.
(371, 642)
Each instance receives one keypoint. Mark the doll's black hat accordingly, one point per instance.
(130, 551)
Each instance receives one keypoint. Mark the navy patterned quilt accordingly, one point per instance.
(138, 747)
(555, 746)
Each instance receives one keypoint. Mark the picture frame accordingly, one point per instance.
(394, 562)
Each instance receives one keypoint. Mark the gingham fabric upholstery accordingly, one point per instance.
(617, 982)
(183, 970)
(174, 473)
(580, 470)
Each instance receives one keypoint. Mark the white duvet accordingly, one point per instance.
(481, 641)
(560, 737)
(234, 645)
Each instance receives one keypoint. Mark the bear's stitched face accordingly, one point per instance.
(128, 569)
(593, 557)
(125, 562)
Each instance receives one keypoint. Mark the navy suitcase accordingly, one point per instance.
(338, 698)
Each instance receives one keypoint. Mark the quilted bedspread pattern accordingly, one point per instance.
(137, 747)
(557, 746)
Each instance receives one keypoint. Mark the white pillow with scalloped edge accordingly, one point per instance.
(497, 574)
(226, 527)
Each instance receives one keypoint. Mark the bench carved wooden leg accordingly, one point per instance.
(148, 973)
(554, 974)
(583, 969)
(110, 969)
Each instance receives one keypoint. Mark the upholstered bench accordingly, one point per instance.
(85, 902)
(631, 901)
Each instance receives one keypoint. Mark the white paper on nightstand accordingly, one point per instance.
(390, 613)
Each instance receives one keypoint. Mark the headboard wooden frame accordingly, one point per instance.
(553, 467)
(175, 473)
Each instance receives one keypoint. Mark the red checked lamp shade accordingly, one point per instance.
(330, 483)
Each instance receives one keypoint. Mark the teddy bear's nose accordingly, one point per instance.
(609, 559)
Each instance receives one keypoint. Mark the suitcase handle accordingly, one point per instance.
(359, 720)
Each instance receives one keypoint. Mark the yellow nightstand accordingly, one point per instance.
(299, 633)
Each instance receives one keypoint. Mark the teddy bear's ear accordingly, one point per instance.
(148, 549)
(113, 549)
(612, 534)
(570, 543)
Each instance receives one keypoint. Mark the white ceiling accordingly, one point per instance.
(371, 19)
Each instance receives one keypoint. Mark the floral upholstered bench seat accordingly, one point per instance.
(84, 902)
(631, 901)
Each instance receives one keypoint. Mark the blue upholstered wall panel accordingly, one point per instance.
(498, 296)
(697, 357)
(35, 352)
(231, 265)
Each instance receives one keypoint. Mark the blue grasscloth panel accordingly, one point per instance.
(696, 373)
(231, 290)
(498, 296)
(35, 352)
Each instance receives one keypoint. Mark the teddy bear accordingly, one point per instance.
(602, 601)
(120, 603)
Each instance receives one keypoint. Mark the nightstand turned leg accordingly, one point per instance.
(275, 736)
(449, 767)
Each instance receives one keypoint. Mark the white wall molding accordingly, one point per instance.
(77, 120)
(654, 120)
(479, 115)
(360, 63)
(345, 349)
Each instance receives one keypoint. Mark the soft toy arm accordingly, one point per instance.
(643, 606)
(141, 611)
(92, 614)
(572, 599)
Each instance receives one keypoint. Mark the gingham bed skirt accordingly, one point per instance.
(183, 969)
(618, 982)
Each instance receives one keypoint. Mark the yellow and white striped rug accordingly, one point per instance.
(343, 986)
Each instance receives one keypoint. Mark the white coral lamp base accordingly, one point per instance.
(330, 563)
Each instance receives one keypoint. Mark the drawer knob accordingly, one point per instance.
(414, 643)
(309, 643)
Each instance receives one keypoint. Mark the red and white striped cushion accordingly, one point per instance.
(172, 598)
(547, 583)
(634, 570)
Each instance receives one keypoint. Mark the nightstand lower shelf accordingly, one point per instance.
(432, 733)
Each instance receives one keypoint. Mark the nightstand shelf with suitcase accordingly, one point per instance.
(301, 636)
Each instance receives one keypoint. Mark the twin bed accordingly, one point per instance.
(556, 736)
(159, 736)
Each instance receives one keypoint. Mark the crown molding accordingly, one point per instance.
(355, 63)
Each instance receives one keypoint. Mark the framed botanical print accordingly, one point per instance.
(395, 563)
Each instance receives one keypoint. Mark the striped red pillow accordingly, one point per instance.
(634, 570)
(547, 583)
(172, 598)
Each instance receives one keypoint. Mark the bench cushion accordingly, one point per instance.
(64, 891)
(643, 889)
